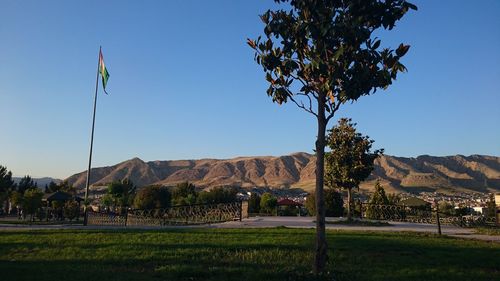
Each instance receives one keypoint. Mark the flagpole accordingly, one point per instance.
(85, 209)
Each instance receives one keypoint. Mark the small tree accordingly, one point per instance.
(7, 186)
(152, 197)
(71, 209)
(320, 54)
(184, 194)
(32, 201)
(334, 204)
(377, 198)
(350, 161)
(492, 208)
(310, 204)
(268, 203)
(122, 192)
(254, 203)
(26, 183)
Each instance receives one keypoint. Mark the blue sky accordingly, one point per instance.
(184, 84)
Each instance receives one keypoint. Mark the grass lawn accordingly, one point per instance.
(239, 254)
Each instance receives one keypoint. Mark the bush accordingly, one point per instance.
(184, 194)
(254, 203)
(268, 203)
(217, 195)
(334, 203)
(71, 209)
(152, 197)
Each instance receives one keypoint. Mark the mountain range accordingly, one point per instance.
(448, 174)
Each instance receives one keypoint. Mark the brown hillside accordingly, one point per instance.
(474, 173)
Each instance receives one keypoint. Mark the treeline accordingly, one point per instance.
(122, 195)
(25, 198)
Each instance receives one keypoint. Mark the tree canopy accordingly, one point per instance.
(320, 54)
(152, 197)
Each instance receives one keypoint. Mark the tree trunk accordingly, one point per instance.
(349, 204)
(321, 245)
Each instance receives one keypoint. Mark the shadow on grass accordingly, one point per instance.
(249, 254)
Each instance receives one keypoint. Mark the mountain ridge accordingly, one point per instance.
(458, 173)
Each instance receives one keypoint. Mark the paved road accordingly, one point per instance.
(295, 222)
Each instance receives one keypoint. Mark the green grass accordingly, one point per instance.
(239, 254)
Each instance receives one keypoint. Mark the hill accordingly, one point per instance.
(475, 173)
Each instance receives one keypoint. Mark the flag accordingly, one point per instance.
(103, 71)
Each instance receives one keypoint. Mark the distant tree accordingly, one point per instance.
(378, 197)
(16, 200)
(446, 208)
(184, 194)
(152, 197)
(71, 209)
(268, 203)
(32, 201)
(350, 160)
(310, 204)
(334, 204)
(122, 193)
(491, 207)
(393, 198)
(7, 186)
(320, 55)
(64, 186)
(107, 200)
(26, 183)
(254, 203)
(217, 195)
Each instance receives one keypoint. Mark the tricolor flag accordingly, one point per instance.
(103, 71)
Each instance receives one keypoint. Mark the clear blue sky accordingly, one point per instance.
(184, 84)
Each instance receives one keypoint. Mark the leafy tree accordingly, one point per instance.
(6, 182)
(310, 204)
(254, 203)
(491, 212)
(107, 200)
(7, 186)
(26, 183)
(217, 195)
(393, 198)
(446, 208)
(320, 54)
(184, 194)
(334, 204)
(268, 203)
(71, 209)
(64, 186)
(122, 193)
(377, 198)
(32, 201)
(16, 199)
(152, 197)
(350, 161)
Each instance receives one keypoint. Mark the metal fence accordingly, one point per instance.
(421, 215)
(175, 215)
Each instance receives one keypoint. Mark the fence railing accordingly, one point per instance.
(421, 215)
(175, 215)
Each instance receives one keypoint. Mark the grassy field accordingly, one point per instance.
(240, 254)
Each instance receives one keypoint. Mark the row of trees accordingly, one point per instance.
(25, 197)
(123, 194)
